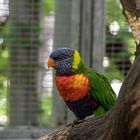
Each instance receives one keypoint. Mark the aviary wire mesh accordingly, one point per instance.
(4, 82)
(25, 82)
(119, 45)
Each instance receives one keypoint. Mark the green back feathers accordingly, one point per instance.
(101, 89)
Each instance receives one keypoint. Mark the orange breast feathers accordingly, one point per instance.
(72, 88)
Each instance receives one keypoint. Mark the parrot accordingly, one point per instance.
(85, 91)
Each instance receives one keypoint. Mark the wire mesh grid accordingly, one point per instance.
(119, 45)
(25, 82)
(4, 12)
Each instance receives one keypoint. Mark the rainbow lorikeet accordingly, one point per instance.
(84, 91)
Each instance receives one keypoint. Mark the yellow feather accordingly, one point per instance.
(76, 60)
(79, 81)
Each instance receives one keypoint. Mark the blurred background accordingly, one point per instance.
(29, 31)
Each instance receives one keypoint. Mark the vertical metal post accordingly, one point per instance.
(62, 38)
(79, 25)
(98, 40)
(23, 101)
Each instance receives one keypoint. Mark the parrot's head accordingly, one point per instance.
(65, 61)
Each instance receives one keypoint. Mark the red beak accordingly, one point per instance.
(51, 63)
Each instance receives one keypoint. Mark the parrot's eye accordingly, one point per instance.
(61, 57)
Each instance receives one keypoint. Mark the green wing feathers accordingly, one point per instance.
(101, 90)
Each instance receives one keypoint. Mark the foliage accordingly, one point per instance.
(3, 70)
(123, 37)
(114, 12)
(48, 6)
(46, 105)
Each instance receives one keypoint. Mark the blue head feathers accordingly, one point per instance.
(62, 61)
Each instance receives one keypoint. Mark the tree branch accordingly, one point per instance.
(131, 9)
(123, 120)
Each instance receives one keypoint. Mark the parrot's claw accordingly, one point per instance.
(89, 117)
(75, 122)
(78, 121)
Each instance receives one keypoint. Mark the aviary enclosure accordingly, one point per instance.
(30, 30)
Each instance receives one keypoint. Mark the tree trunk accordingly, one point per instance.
(123, 120)
(131, 9)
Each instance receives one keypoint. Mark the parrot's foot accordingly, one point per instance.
(88, 117)
(78, 121)
(75, 122)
